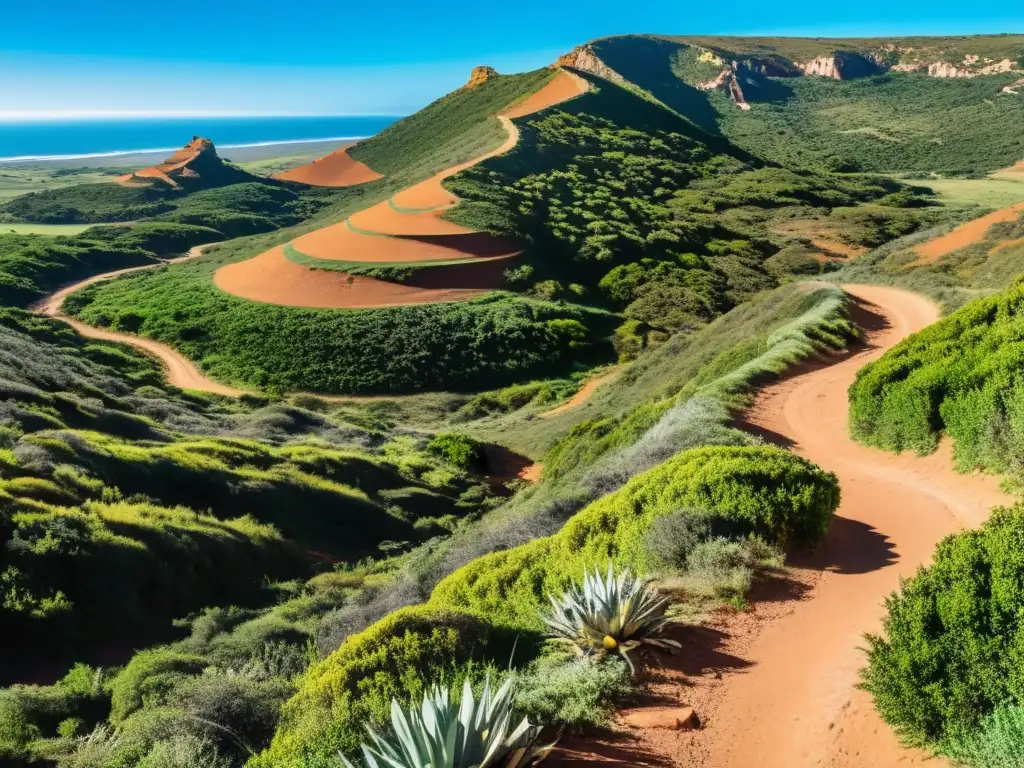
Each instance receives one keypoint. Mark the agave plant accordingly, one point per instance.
(443, 734)
(610, 615)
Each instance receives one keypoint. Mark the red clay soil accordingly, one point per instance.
(174, 166)
(338, 243)
(775, 687)
(180, 371)
(396, 237)
(273, 279)
(966, 234)
(583, 394)
(338, 169)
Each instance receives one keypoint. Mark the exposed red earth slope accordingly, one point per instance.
(337, 169)
(407, 228)
(972, 232)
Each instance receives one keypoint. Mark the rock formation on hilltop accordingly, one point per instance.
(195, 164)
(479, 76)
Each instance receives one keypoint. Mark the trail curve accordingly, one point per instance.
(180, 371)
(797, 704)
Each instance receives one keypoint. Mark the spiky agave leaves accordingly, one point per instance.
(442, 734)
(610, 615)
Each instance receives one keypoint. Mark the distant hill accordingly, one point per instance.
(949, 106)
(196, 165)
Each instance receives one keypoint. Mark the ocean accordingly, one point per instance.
(78, 139)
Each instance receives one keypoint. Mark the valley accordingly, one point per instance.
(289, 437)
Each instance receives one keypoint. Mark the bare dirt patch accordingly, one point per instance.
(272, 279)
(338, 169)
(583, 394)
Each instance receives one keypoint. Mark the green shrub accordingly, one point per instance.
(672, 537)
(960, 375)
(461, 450)
(148, 678)
(725, 568)
(998, 742)
(398, 657)
(950, 649)
(573, 692)
(759, 490)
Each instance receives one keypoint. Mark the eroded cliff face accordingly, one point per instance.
(739, 71)
(584, 59)
(823, 66)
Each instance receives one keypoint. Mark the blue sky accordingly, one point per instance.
(327, 57)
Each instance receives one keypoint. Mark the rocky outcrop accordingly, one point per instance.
(823, 66)
(479, 76)
(584, 59)
(970, 68)
(195, 163)
(843, 65)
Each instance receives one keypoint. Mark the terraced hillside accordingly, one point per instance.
(405, 235)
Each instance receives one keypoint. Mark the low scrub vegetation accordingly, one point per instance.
(959, 377)
(499, 599)
(944, 671)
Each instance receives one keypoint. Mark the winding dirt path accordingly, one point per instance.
(798, 705)
(181, 372)
(775, 687)
(583, 394)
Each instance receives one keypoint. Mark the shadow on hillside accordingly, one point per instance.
(647, 62)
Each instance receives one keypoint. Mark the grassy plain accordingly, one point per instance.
(988, 192)
(43, 229)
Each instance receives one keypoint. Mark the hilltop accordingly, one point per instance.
(196, 165)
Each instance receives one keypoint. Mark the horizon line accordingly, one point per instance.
(28, 116)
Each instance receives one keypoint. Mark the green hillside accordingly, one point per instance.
(632, 217)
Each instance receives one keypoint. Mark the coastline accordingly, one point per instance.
(235, 152)
(118, 154)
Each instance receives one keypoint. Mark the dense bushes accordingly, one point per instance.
(397, 657)
(950, 649)
(460, 450)
(764, 491)
(484, 343)
(960, 376)
(33, 265)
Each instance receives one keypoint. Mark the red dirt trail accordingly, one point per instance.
(972, 232)
(775, 687)
(583, 394)
(405, 229)
(180, 371)
(337, 169)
